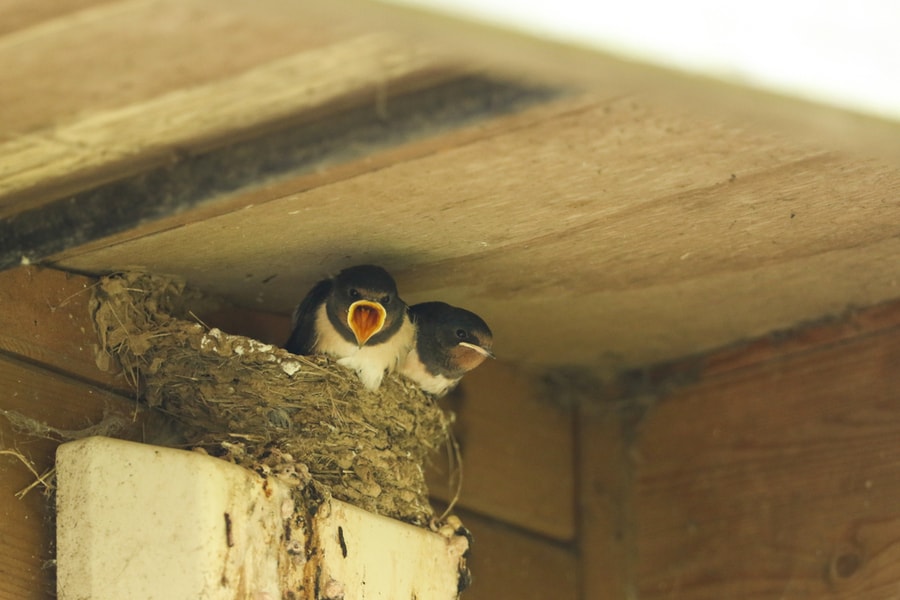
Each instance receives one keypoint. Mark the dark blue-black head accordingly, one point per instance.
(364, 299)
(450, 341)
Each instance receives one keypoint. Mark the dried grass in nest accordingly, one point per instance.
(250, 400)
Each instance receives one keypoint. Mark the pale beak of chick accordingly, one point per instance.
(365, 319)
(485, 352)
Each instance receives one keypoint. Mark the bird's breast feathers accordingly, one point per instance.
(415, 370)
(370, 361)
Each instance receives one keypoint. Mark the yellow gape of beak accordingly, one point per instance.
(365, 319)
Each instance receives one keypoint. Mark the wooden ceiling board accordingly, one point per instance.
(138, 137)
(602, 232)
(539, 58)
(628, 223)
(21, 14)
(113, 90)
(117, 53)
(194, 186)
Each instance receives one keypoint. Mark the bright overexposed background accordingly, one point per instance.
(840, 52)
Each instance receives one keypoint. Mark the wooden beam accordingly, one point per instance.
(17, 15)
(179, 174)
(607, 531)
(775, 476)
(78, 113)
(540, 59)
(26, 526)
(141, 521)
(635, 225)
(44, 318)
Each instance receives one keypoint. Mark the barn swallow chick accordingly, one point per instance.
(450, 342)
(357, 318)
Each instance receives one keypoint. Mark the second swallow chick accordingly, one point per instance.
(450, 342)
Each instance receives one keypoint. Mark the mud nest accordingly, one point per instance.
(245, 400)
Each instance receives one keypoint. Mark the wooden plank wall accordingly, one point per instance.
(775, 473)
(519, 482)
(770, 470)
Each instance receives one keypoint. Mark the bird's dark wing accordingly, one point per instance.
(303, 337)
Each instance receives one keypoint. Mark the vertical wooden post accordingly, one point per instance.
(606, 520)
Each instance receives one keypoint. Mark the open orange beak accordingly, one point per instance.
(365, 319)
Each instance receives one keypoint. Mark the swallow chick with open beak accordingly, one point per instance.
(357, 318)
(450, 342)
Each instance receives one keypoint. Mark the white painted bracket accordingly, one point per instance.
(139, 521)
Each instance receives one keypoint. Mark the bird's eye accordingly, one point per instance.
(461, 334)
(385, 300)
(354, 293)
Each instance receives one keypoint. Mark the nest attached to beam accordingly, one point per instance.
(245, 400)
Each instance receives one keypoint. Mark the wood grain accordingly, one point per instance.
(776, 479)
(621, 233)
(161, 197)
(44, 318)
(106, 56)
(117, 141)
(16, 15)
(607, 531)
(662, 229)
(541, 59)
(26, 526)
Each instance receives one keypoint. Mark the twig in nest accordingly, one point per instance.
(65, 301)
(43, 480)
(39, 479)
(198, 319)
(109, 426)
(454, 456)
